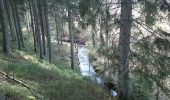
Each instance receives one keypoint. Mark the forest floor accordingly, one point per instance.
(45, 81)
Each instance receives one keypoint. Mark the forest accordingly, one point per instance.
(84, 49)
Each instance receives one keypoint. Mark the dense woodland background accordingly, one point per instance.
(128, 40)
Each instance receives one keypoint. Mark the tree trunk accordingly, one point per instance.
(19, 24)
(47, 29)
(57, 28)
(102, 43)
(93, 36)
(15, 24)
(71, 38)
(27, 23)
(35, 23)
(3, 17)
(10, 16)
(37, 27)
(42, 23)
(32, 26)
(62, 28)
(124, 48)
(106, 25)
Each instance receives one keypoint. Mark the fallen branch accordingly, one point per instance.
(18, 82)
(15, 80)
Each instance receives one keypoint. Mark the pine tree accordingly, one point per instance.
(124, 48)
(4, 24)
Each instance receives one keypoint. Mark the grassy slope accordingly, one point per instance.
(47, 81)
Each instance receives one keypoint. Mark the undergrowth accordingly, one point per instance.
(47, 81)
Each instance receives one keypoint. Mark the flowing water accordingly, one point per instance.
(85, 66)
(87, 69)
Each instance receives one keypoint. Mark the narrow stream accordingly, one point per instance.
(87, 69)
(85, 66)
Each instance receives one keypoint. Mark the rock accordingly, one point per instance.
(110, 85)
(94, 59)
(97, 69)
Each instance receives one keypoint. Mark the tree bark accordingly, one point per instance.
(33, 26)
(57, 28)
(42, 24)
(71, 38)
(124, 48)
(10, 16)
(15, 24)
(47, 30)
(62, 28)
(93, 35)
(106, 25)
(4, 21)
(102, 43)
(19, 24)
(37, 27)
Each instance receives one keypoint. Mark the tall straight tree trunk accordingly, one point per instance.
(47, 29)
(62, 28)
(57, 18)
(32, 25)
(71, 38)
(93, 35)
(57, 28)
(106, 25)
(37, 27)
(36, 22)
(15, 24)
(124, 47)
(42, 24)
(4, 21)
(10, 16)
(102, 43)
(27, 23)
(19, 24)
